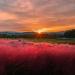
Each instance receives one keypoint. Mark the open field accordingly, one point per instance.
(24, 57)
(57, 40)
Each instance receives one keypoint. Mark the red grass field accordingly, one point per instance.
(20, 57)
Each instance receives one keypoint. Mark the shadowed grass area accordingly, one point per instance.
(57, 40)
(49, 40)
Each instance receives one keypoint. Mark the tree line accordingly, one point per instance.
(67, 34)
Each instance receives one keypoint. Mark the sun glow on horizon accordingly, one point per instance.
(39, 31)
(54, 29)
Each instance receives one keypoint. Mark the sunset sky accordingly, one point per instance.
(34, 15)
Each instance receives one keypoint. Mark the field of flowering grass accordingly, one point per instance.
(23, 57)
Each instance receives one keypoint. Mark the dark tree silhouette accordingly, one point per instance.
(70, 33)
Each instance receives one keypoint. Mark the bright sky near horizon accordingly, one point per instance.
(34, 15)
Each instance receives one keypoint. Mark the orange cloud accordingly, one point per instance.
(56, 28)
(7, 16)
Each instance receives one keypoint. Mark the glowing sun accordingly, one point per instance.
(39, 31)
